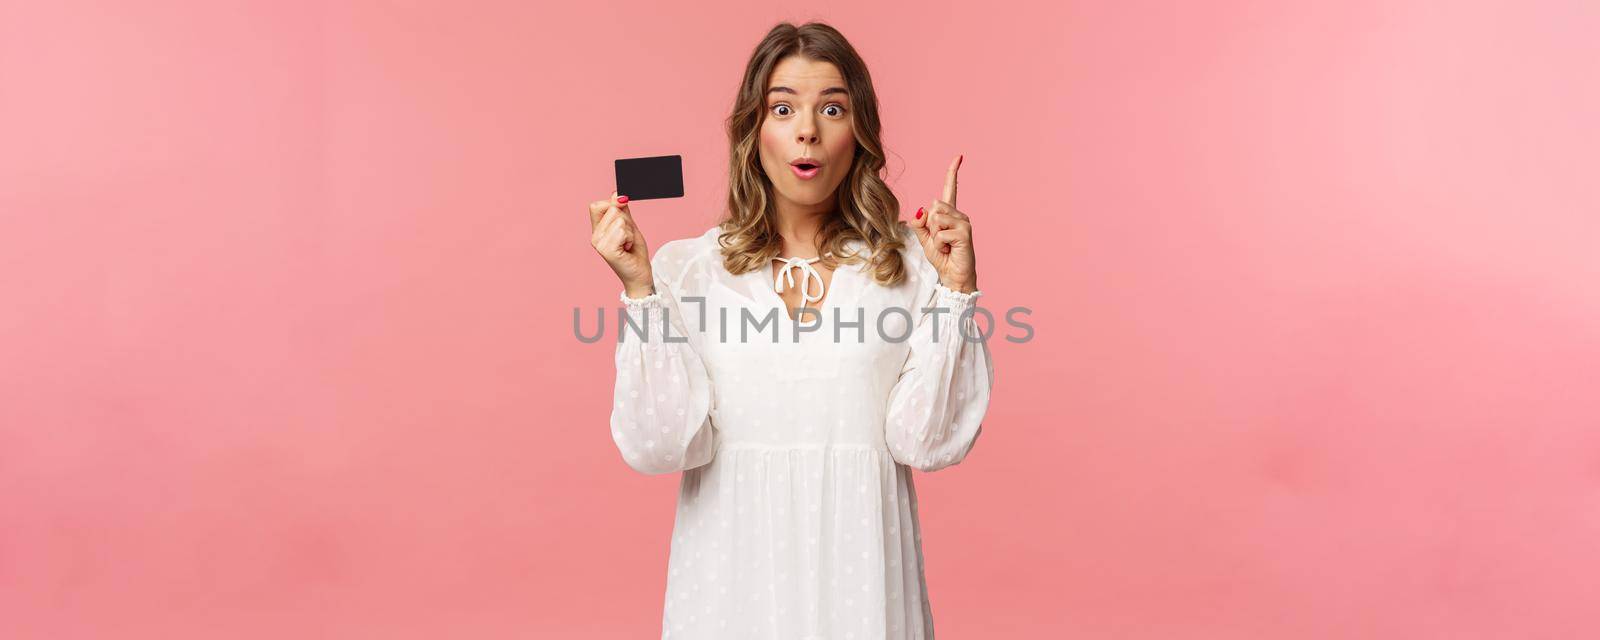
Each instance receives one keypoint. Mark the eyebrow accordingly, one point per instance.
(827, 91)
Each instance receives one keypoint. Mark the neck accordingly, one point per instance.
(798, 225)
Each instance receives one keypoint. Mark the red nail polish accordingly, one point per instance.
(919, 213)
(622, 199)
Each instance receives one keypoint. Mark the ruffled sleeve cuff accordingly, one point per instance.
(652, 301)
(956, 299)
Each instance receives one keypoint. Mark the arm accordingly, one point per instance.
(937, 406)
(660, 418)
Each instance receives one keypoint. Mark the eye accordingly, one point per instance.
(838, 108)
(776, 107)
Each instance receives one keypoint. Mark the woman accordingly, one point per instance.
(796, 412)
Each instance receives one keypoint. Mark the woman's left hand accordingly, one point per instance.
(946, 236)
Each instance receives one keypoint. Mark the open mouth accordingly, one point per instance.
(805, 168)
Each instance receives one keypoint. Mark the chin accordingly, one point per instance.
(806, 195)
(806, 198)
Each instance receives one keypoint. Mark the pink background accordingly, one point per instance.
(286, 298)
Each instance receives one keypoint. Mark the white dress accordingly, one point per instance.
(796, 516)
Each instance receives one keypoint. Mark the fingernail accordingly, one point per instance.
(919, 213)
(622, 199)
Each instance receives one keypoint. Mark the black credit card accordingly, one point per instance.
(647, 178)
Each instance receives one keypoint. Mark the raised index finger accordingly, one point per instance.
(950, 182)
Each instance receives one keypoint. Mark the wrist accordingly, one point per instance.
(638, 291)
(962, 286)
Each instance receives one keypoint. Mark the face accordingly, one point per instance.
(807, 121)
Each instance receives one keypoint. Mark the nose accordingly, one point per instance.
(807, 133)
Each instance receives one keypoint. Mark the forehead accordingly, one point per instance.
(805, 75)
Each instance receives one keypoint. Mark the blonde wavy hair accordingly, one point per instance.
(867, 209)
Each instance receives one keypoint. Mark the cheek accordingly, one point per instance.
(771, 137)
(842, 143)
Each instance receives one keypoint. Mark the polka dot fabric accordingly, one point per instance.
(797, 514)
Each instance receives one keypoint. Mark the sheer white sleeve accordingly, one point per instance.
(936, 407)
(661, 419)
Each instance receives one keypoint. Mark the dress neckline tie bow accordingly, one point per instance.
(807, 272)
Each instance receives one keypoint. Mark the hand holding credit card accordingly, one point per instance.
(612, 231)
(650, 178)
